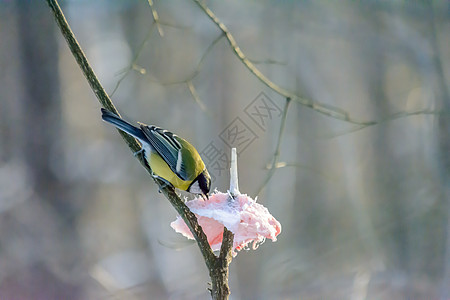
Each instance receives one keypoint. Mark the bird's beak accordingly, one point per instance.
(205, 195)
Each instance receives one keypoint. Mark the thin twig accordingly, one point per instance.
(190, 78)
(156, 18)
(133, 65)
(196, 97)
(188, 217)
(199, 64)
(267, 62)
(187, 81)
(276, 155)
(309, 169)
(135, 58)
(392, 117)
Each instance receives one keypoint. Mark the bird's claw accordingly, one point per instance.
(162, 186)
(138, 152)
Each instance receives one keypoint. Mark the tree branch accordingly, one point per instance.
(219, 275)
(322, 108)
(189, 218)
(220, 288)
(156, 18)
(132, 65)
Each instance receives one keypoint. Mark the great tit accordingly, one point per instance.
(171, 158)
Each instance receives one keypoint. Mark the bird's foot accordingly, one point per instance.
(163, 186)
(140, 152)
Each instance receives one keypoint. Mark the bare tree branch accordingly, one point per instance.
(276, 155)
(322, 108)
(196, 97)
(220, 289)
(199, 65)
(267, 62)
(392, 117)
(213, 263)
(132, 65)
(325, 109)
(156, 17)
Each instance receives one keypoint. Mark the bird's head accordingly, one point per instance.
(201, 185)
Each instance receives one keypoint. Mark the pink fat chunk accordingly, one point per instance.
(250, 222)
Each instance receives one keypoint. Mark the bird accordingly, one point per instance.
(171, 158)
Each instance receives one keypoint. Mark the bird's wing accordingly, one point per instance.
(165, 143)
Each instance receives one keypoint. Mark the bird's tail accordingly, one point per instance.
(122, 124)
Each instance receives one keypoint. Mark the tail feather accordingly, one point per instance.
(123, 125)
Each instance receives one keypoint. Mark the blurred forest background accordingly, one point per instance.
(365, 210)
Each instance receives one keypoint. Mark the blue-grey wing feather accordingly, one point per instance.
(165, 144)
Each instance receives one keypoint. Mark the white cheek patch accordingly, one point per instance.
(147, 149)
(195, 188)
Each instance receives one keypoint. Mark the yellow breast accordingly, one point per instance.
(161, 169)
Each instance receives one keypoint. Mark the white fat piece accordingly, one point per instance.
(179, 161)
